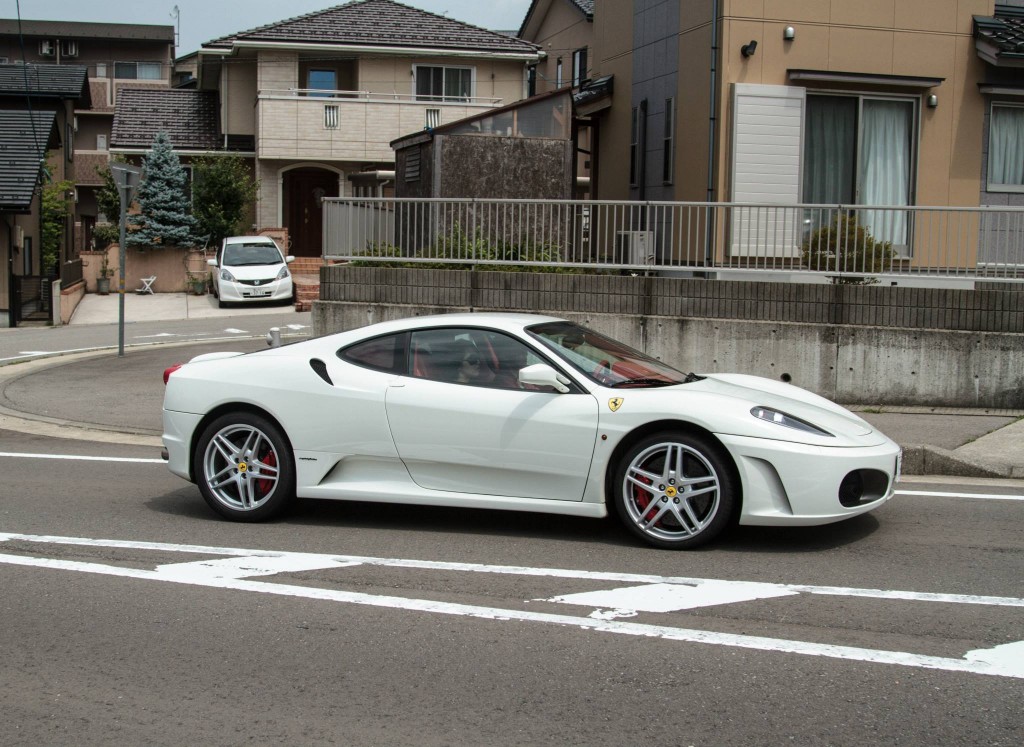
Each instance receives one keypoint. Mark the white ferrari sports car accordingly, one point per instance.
(517, 412)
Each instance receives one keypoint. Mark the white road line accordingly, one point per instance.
(433, 565)
(978, 496)
(1003, 661)
(80, 458)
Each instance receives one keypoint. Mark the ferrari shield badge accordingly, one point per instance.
(614, 403)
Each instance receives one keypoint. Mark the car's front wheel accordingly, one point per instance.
(244, 467)
(675, 490)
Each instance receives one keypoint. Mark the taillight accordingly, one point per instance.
(169, 371)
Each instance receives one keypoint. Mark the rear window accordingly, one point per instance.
(381, 353)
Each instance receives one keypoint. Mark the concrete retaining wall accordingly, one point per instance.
(967, 349)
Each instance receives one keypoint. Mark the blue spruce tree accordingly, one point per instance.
(165, 218)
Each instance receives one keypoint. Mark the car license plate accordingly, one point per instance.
(258, 293)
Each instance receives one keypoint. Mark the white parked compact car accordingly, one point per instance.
(521, 412)
(251, 268)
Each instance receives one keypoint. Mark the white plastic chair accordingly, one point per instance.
(147, 286)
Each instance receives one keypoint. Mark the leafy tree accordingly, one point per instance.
(223, 191)
(164, 217)
(56, 206)
(108, 201)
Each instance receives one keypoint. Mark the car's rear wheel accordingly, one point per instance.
(675, 490)
(244, 467)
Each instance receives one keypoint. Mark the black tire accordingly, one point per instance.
(244, 467)
(220, 304)
(675, 490)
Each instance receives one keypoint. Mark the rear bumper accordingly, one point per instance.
(177, 438)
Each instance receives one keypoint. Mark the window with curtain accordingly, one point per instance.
(1006, 149)
(859, 150)
(443, 83)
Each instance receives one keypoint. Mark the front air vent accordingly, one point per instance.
(321, 370)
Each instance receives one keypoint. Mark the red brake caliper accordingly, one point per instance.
(643, 497)
(265, 485)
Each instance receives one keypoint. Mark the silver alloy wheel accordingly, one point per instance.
(671, 491)
(241, 467)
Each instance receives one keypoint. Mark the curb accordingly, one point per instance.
(933, 460)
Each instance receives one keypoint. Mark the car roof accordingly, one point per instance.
(249, 240)
(508, 321)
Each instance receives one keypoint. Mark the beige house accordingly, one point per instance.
(316, 100)
(790, 101)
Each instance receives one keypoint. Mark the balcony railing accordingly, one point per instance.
(841, 242)
(376, 97)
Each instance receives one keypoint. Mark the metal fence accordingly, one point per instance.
(833, 240)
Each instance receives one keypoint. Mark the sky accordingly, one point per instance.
(205, 20)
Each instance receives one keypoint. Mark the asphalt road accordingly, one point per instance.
(369, 624)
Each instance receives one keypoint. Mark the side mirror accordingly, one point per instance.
(541, 374)
(211, 262)
(289, 259)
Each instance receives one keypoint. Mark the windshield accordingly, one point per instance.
(604, 360)
(236, 255)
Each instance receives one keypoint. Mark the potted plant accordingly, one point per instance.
(197, 283)
(103, 279)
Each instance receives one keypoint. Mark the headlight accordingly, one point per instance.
(780, 418)
(283, 274)
(227, 276)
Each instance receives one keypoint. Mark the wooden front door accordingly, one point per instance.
(305, 190)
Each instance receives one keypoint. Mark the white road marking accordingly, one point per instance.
(296, 327)
(1007, 660)
(434, 565)
(80, 458)
(233, 331)
(628, 601)
(979, 496)
(159, 334)
(982, 661)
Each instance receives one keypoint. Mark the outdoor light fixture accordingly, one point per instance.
(933, 101)
(789, 33)
(748, 49)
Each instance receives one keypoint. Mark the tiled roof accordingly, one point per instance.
(188, 117)
(79, 30)
(380, 23)
(1000, 37)
(60, 81)
(586, 7)
(24, 137)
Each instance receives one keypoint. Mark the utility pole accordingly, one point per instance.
(127, 179)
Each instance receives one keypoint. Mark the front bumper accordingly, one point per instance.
(796, 484)
(273, 290)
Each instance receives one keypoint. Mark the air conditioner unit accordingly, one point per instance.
(46, 48)
(635, 247)
(69, 49)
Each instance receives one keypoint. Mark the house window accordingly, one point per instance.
(138, 70)
(860, 150)
(433, 119)
(101, 70)
(531, 81)
(443, 83)
(101, 142)
(321, 80)
(579, 66)
(331, 116)
(634, 147)
(26, 254)
(1006, 149)
(669, 150)
(558, 73)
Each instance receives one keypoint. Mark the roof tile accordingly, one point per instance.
(189, 117)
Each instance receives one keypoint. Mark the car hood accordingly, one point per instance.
(253, 272)
(792, 400)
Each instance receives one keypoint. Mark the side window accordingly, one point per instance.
(381, 354)
(472, 357)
